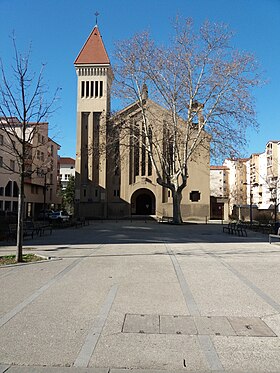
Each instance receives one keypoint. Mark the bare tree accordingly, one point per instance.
(205, 87)
(23, 109)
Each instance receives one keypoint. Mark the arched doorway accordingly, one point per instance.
(143, 202)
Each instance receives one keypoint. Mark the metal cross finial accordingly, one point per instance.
(96, 16)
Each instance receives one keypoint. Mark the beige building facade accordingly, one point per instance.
(119, 180)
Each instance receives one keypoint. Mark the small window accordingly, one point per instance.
(195, 196)
(83, 89)
(101, 89)
(96, 89)
(1, 162)
(1, 140)
(116, 193)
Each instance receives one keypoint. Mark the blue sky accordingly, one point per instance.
(58, 29)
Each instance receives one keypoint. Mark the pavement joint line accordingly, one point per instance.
(9, 315)
(205, 341)
(189, 299)
(96, 330)
(249, 283)
(17, 309)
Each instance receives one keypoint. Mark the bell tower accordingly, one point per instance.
(94, 78)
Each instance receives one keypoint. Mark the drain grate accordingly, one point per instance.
(196, 325)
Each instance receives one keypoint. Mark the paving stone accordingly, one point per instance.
(250, 326)
(177, 325)
(148, 324)
(213, 325)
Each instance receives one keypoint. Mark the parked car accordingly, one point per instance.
(45, 214)
(59, 216)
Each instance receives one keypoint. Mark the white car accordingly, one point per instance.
(59, 216)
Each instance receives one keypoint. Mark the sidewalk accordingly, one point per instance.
(146, 297)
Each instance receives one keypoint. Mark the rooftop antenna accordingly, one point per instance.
(96, 17)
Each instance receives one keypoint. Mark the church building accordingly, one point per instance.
(119, 181)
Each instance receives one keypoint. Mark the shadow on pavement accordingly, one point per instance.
(125, 232)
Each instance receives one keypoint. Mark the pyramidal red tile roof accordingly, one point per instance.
(93, 51)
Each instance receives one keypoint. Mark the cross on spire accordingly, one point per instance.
(96, 17)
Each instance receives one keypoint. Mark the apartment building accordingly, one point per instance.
(237, 183)
(219, 192)
(66, 169)
(41, 186)
(252, 183)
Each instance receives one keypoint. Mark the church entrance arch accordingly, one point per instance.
(143, 202)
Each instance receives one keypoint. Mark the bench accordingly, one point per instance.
(165, 219)
(270, 236)
(234, 228)
(26, 231)
(273, 236)
(77, 223)
(41, 228)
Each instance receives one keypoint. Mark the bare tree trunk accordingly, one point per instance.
(20, 219)
(177, 198)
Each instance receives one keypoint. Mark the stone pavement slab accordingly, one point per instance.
(250, 326)
(216, 325)
(141, 324)
(177, 325)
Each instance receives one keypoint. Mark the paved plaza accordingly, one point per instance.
(144, 297)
